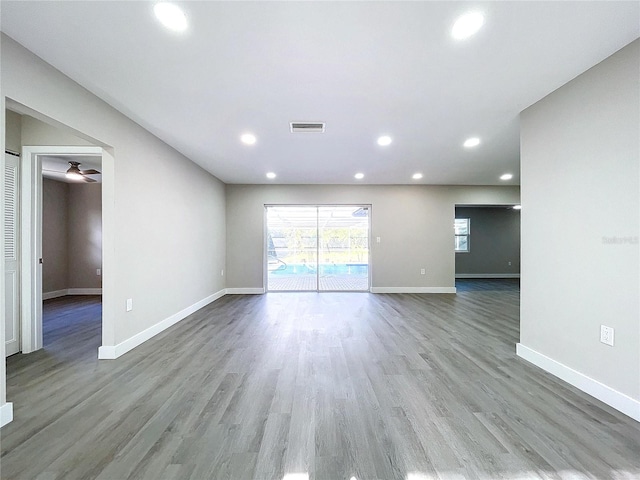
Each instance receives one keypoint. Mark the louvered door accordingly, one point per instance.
(11, 254)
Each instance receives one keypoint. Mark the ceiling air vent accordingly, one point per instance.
(308, 127)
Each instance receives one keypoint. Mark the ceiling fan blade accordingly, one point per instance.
(89, 180)
(90, 172)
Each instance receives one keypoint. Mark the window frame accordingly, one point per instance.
(466, 235)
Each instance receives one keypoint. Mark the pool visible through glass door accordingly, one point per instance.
(317, 248)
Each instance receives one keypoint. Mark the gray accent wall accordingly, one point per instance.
(580, 150)
(71, 235)
(494, 242)
(85, 235)
(414, 223)
(55, 236)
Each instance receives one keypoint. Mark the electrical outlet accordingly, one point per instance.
(377, 239)
(606, 335)
(129, 304)
(98, 272)
(423, 271)
(509, 263)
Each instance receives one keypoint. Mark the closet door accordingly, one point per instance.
(11, 254)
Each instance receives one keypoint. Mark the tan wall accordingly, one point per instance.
(13, 131)
(414, 223)
(36, 132)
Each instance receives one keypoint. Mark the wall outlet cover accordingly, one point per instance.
(607, 335)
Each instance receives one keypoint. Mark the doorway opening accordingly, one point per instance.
(487, 247)
(62, 227)
(71, 243)
(317, 248)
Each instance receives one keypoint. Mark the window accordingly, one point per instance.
(462, 230)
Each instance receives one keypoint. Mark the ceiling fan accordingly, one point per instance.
(74, 173)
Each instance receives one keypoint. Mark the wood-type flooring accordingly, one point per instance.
(301, 386)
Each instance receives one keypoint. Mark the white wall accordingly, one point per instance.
(169, 238)
(414, 223)
(581, 193)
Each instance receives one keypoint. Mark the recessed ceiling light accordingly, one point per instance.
(506, 176)
(248, 139)
(467, 25)
(472, 142)
(271, 175)
(359, 176)
(517, 207)
(171, 16)
(384, 140)
(416, 176)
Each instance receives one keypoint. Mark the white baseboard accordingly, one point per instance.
(71, 291)
(621, 402)
(487, 275)
(111, 352)
(413, 290)
(6, 414)
(55, 294)
(245, 291)
(85, 291)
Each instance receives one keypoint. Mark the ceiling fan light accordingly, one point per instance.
(74, 175)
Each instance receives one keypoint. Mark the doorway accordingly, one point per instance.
(317, 248)
(31, 248)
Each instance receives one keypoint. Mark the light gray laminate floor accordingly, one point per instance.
(308, 385)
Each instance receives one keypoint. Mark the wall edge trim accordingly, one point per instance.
(413, 290)
(54, 294)
(245, 291)
(615, 399)
(6, 414)
(487, 275)
(71, 291)
(111, 352)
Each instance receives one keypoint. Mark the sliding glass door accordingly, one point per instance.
(292, 248)
(317, 248)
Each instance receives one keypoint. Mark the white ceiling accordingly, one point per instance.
(364, 68)
(55, 167)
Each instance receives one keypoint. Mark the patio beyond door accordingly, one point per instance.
(317, 248)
